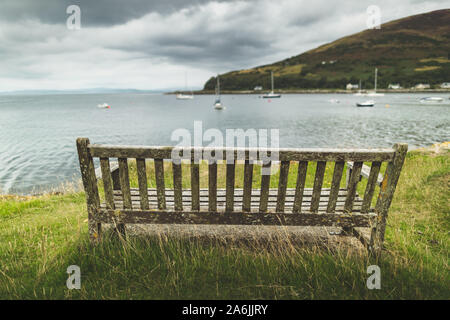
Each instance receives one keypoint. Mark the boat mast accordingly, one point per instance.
(271, 76)
(376, 73)
(218, 85)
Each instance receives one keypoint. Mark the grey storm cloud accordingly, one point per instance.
(202, 47)
(152, 44)
(95, 12)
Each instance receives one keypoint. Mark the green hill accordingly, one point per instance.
(408, 51)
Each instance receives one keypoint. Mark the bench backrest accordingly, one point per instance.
(355, 169)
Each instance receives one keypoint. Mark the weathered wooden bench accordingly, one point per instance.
(299, 206)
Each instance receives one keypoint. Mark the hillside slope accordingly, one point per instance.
(407, 51)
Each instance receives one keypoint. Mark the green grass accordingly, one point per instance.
(41, 236)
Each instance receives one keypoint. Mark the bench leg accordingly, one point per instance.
(385, 196)
(377, 238)
(347, 231)
(95, 231)
(358, 234)
(119, 229)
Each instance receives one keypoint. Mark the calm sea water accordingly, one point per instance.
(37, 133)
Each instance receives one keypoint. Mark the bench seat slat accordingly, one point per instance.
(254, 198)
(272, 200)
(221, 207)
(290, 192)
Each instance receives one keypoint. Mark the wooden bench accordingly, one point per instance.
(299, 206)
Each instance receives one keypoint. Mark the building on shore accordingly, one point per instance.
(257, 88)
(394, 86)
(422, 86)
(352, 86)
(445, 85)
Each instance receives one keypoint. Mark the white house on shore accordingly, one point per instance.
(422, 86)
(257, 88)
(352, 86)
(394, 86)
(445, 85)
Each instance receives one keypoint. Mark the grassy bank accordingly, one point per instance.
(41, 236)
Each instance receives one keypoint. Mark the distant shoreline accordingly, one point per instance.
(318, 91)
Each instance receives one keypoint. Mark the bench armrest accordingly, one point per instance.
(365, 172)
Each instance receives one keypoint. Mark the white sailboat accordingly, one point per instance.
(217, 103)
(271, 94)
(374, 93)
(103, 106)
(431, 100)
(368, 103)
(181, 96)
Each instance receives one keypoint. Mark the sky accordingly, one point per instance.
(157, 45)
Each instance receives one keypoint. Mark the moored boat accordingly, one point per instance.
(271, 94)
(181, 96)
(431, 100)
(217, 103)
(368, 103)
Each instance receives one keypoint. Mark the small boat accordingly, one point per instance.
(104, 106)
(368, 103)
(181, 96)
(334, 101)
(217, 103)
(271, 94)
(431, 100)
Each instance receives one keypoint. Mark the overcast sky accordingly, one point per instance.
(146, 44)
